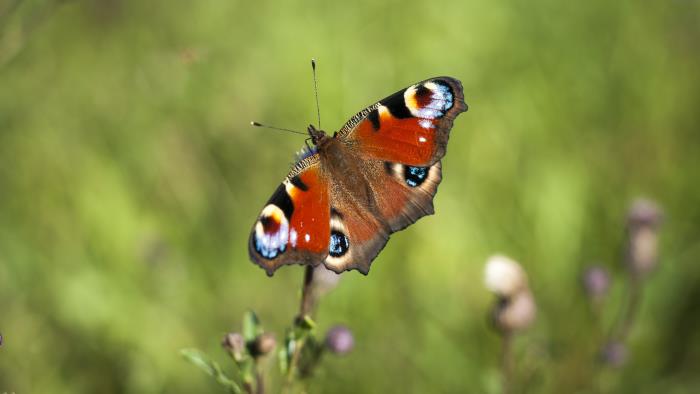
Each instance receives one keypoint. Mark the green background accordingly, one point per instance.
(130, 179)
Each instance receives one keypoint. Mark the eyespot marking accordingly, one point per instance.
(396, 104)
(426, 124)
(415, 176)
(271, 232)
(430, 100)
(339, 244)
(281, 199)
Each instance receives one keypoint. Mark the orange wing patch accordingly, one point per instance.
(411, 126)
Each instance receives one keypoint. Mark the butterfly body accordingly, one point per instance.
(376, 175)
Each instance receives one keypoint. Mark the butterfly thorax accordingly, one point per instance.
(340, 163)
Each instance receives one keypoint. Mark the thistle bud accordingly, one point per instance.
(264, 344)
(643, 222)
(515, 307)
(515, 313)
(644, 213)
(596, 281)
(504, 277)
(234, 344)
(339, 340)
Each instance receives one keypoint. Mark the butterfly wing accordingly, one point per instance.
(358, 234)
(391, 197)
(411, 126)
(342, 214)
(294, 225)
(397, 143)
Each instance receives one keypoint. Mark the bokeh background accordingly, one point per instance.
(130, 179)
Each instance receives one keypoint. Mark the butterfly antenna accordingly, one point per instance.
(256, 124)
(318, 108)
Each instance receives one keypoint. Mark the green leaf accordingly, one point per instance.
(283, 358)
(251, 326)
(307, 323)
(211, 368)
(248, 371)
(197, 358)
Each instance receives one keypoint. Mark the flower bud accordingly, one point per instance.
(643, 222)
(643, 250)
(515, 313)
(644, 213)
(234, 343)
(264, 344)
(504, 277)
(339, 340)
(596, 281)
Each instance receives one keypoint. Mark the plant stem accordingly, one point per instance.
(259, 383)
(635, 297)
(306, 307)
(307, 299)
(506, 361)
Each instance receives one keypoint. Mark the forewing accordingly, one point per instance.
(294, 225)
(412, 126)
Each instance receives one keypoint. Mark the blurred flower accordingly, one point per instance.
(339, 340)
(503, 276)
(515, 313)
(643, 221)
(234, 343)
(264, 344)
(596, 281)
(644, 212)
(515, 308)
(324, 280)
(614, 354)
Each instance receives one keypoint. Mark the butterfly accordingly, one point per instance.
(376, 175)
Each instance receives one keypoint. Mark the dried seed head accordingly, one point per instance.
(515, 313)
(339, 340)
(644, 213)
(504, 277)
(643, 222)
(234, 343)
(264, 344)
(643, 250)
(596, 281)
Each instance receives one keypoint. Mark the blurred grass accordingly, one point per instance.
(129, 180)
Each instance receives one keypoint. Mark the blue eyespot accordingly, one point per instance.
(415, 175)
(339, 244)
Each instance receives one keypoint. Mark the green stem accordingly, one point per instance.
(506, 361)
(306, 307)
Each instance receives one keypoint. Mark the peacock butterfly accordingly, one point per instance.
(376, 175)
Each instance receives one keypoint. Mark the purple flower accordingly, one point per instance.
(596, 281)
(339, 340)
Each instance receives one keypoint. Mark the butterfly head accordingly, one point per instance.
(317, 136)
